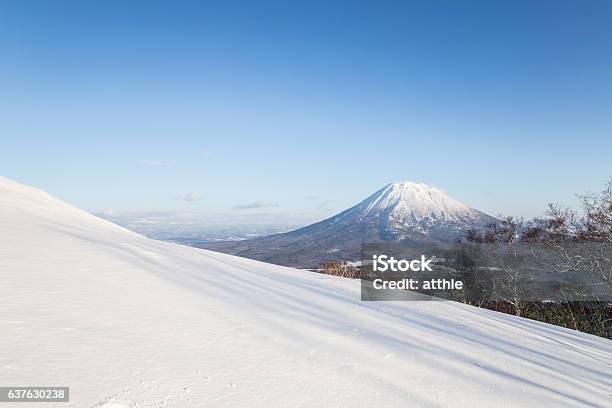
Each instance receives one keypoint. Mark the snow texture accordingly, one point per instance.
(416, 200)
(126, 321)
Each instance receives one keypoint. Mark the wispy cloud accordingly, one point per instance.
(193, 196)
(157, 163)
(325, 206)
(257, 204)
(311, 198)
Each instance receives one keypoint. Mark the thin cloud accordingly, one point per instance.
(311, 198)
(193, 196)
(157, 163)
(324, 206)
(257, 204)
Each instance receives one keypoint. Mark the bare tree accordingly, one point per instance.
(578, 243)
(510, 277)
(339, 268)
(570, 255)
(469, 264)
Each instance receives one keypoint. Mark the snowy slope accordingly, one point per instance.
(126, 321)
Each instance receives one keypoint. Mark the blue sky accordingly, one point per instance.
(305, 108)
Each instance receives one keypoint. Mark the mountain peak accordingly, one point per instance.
(413, 201)
(409, 184)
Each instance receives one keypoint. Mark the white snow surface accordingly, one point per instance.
(407, 199)
(127, 321)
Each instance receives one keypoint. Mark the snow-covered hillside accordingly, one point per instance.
(126, 321)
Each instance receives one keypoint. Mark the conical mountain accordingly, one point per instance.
(399, 212)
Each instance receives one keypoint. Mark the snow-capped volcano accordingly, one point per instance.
(407, 210)
(127, 321)
(401, 211)
(415, 201)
